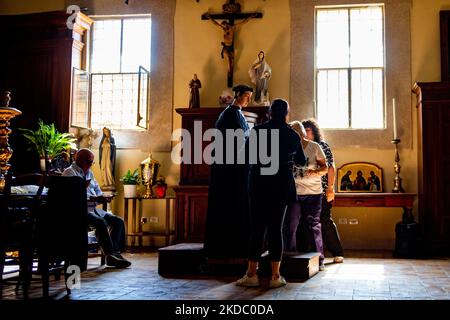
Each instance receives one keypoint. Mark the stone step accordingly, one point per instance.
(181, 259)
(295, 266)
(189, 259)
(226, 266)
(300, 266)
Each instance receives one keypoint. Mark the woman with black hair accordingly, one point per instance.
(330, 234)
(269, 194)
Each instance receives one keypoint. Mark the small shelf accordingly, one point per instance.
(133, 216)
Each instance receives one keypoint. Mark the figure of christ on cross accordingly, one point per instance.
(229, 28)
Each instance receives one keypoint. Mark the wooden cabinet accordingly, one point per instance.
(444, 18)
(38, 54)
(198, 174)
(433, 106)
(190, 209)
(191, 201)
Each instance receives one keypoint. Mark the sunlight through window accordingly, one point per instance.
(350, 67)
(120, 46)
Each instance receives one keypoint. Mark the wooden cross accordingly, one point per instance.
(231, 12)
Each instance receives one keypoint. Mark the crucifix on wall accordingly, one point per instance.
(231, 12)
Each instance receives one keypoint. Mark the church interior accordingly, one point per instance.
(132, 67)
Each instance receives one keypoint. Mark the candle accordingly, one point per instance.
(394, 118)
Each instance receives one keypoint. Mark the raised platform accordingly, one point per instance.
(189, 259)
(181, 259)
(297, 266)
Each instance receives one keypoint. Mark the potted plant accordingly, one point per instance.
(161, 187)
(130, 181)
(48, 142)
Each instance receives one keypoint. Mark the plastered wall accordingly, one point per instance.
(197, 50)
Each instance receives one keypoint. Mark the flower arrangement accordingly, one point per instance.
(161, 187)
(226, 98)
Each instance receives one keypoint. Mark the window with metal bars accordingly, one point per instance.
(350, 67)
(115, 93)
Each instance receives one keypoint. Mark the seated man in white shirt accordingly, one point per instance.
(110, 229)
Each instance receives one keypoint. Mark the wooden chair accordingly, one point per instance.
(93, 247)
(19, 213)
(62, 227)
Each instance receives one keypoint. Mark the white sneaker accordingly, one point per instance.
(321, 267)
(278, 282)
(338, 259)
(247, 281)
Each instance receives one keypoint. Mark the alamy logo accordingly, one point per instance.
(73, 9)
(74, 280)
(189, 149)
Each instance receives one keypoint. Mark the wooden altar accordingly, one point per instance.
(191, 194)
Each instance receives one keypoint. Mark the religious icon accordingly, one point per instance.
(229, 28)
(360, 177)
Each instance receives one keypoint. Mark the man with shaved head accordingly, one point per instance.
(110, 229)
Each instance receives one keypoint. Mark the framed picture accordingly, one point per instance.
(360, 177)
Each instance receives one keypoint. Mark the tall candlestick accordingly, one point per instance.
(397, 180)
(6, 114)
(394, 118)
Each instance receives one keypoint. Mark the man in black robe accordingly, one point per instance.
(227, 220)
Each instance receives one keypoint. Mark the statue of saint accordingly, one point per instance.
(107, 158)
(194, 100)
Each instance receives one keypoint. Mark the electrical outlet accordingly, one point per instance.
(342, 220)
(153, 219)
(352, 221)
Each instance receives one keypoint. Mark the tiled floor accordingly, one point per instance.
(363, 276)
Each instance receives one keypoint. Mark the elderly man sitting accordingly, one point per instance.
(110, 229)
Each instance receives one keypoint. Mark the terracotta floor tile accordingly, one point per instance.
(363, 276)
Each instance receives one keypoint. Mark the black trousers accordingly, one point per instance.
(330, 235)
(110, 232)
(266, 218)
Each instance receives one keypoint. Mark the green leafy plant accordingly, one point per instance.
(131, 177)
(47, 140)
